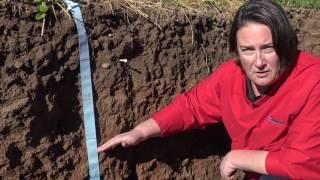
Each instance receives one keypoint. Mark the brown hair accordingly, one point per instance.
(271, 14)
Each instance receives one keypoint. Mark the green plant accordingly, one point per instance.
(46, 6)
(42, 8)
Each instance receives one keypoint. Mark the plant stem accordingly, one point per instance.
(42, 29)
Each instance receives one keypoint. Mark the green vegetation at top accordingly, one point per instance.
(143, 6)
(213, 8)
(300, 3)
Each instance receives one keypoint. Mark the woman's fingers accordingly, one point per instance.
(127, 139)
(110, 144)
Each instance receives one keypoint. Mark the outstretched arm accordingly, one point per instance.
(142, 132)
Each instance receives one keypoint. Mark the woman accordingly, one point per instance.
(268, 98)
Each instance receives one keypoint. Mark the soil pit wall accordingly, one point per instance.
(41, 126)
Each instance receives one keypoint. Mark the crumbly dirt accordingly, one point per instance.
(41, 126)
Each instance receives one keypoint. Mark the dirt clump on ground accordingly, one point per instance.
(41, 126)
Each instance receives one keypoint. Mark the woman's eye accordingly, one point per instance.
(247, 51)
(269, 49)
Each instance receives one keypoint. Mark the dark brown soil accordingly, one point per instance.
(41, 125)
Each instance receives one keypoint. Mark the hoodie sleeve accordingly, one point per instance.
(299, 157)
(193, 109)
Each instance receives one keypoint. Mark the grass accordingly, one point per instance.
(217, 8)
(202, 6)
(300, 3)
(157, 10)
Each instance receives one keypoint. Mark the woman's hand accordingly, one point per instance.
(143, 131)
(126, 139)
(246, 160)
(227, 169)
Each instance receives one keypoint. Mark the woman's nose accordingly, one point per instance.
(260, 61)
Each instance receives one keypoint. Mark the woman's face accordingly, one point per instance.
(258, 56)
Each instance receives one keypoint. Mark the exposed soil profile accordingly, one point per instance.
(41, 126)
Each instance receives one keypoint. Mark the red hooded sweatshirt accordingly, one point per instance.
(285, 122)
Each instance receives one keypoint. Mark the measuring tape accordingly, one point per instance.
(86, 87)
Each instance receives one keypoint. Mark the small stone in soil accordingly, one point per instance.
(106, 65)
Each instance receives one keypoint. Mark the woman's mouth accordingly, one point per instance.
(262, 74)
